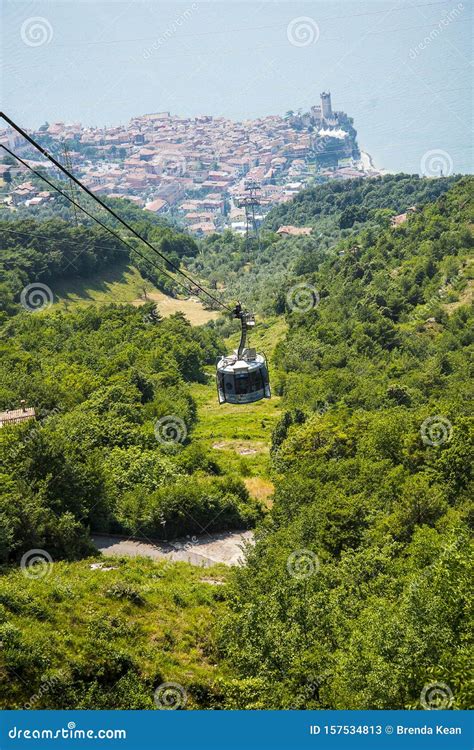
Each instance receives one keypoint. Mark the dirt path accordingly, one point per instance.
(205, 550)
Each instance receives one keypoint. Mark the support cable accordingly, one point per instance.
(107, 208)
(94, 218)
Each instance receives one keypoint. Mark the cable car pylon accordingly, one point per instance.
(72, 187)
(242, 377)
(250, 201)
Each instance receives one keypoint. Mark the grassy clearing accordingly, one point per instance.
(123, 631)
(240, 435)
(192, 308)
(121, 284)
(124, 285)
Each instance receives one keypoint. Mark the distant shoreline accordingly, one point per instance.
(368, 164)
(367, 160)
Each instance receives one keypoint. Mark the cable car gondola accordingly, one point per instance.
(242, 377)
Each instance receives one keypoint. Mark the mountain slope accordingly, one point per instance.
(356, 595)
(261, 273)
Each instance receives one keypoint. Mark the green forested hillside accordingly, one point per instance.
(358, 200)
(357, 592)
(108, 450)
(54, 250)
(259, 273)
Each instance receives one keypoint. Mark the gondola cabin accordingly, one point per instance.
(242, 377)
(242, 380)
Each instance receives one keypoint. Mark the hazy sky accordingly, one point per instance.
(401, 69)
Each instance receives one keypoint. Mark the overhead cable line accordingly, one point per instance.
(94, 218)
(46, 237)
(110, 210)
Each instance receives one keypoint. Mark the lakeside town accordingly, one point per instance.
(201, 172)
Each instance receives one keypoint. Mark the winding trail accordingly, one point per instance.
(204, 550)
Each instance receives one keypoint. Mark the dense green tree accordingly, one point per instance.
(355, 595)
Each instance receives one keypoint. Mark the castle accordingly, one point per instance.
(333, 136)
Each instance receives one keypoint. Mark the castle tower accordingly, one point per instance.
(326, 105)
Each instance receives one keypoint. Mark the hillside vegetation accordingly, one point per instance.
(102, 636)
(260, 273)
(358, 200)
(56, 252)
(111, 449)
(357, 592)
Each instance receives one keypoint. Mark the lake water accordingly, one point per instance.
(401, 69)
